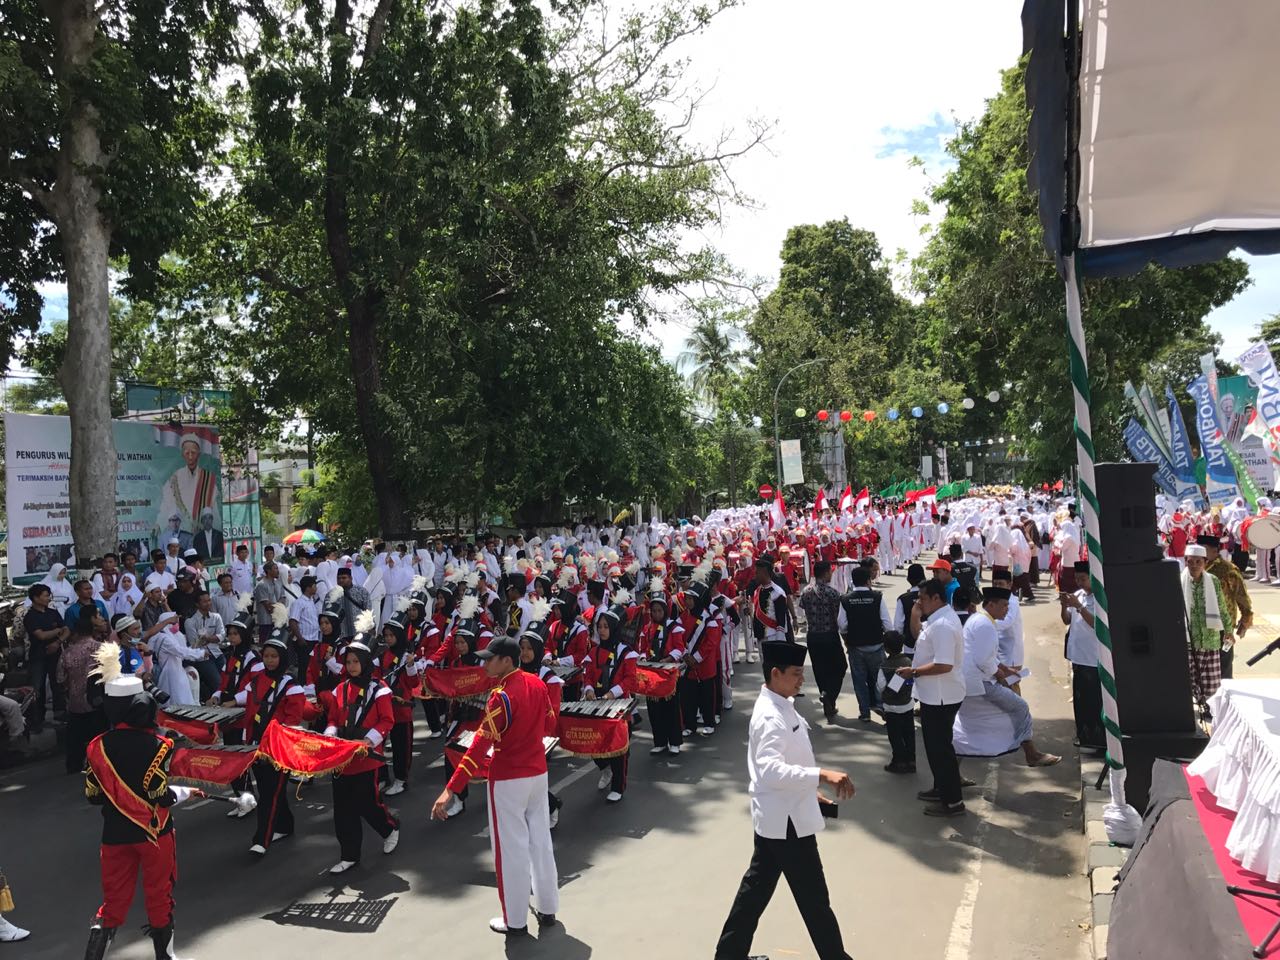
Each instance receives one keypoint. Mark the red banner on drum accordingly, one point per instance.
(595, 737)
(655, 683)
(452, 683)
(307, 754)
(194, 730)
(212, 765)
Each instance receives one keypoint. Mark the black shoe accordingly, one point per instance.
(99, 940)
(966, 782)
(900, 768)
(544, 919)
(929, 796)
(944, 810)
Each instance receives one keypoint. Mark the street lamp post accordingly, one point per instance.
(777, 442)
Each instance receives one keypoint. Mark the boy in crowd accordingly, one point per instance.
(899, 708)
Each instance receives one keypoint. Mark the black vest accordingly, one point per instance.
(907, 602)
(862, 611)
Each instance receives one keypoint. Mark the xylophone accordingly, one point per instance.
(678, 666)
(568, 674)
(596, 728)
(199, 713)
(459, 745)
(599, 709)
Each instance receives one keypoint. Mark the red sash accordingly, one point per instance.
(761, 615)
(150, 817)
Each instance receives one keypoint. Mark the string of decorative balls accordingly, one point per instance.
(892, 413)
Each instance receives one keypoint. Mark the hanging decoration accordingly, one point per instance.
(823, 415)
(869, 416)
(917, 412)
(944, 408)
(968, 403)
(994, 396)
(845, 416)
(893, 413)
(801, 412)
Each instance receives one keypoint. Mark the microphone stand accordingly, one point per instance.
(1266, 651)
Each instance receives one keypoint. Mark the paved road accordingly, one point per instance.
(650, 877)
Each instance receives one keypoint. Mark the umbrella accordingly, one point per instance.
(304, 536)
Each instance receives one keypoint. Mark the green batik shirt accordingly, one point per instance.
(1203, 638)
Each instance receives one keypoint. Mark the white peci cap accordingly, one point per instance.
(123, 687)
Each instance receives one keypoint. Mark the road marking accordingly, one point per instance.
(570, 779)
(960, 939)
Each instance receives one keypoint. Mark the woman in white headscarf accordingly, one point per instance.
(127, 596)
(397, 578)
(63, 594)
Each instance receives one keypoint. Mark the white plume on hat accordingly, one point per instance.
(418, 584)
(279, 615)
(702, 572)
(622, 598)
(589, 566)
(540, 610)
(244, 602)
(107, 660)
(468, 606)
(508, 564)
(472, 580)
(402, 603)
(633, 567)
(566, 576)
(333, 596)
(454, 576)
(365, 622)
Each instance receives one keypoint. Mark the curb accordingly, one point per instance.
(1104, 859)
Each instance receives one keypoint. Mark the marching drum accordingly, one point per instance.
(1261, 533)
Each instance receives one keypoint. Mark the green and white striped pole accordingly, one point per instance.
(1089, 510)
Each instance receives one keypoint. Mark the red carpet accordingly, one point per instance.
(1258, 916)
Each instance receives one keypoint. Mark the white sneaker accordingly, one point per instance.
(9, 933)
(435, 734)
(454, 807)
(555, 818)
(258, 848)
(751, 658)
(657, 750)
(606, 778)
(706, 731)
(389, 844)
(613, 796)
(737, 658)
(673, 749)
(279, 836)
(342, 866)
(397, 786)
(686, 733)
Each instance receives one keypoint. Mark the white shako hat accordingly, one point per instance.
(123, 687)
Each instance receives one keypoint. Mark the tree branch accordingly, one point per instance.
(377, 28)
(47, 199)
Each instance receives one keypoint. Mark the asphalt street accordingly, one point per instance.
(650, 877)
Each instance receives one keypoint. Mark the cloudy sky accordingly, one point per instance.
(855, 89)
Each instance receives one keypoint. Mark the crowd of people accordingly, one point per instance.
(341, 642)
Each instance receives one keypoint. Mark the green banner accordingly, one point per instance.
(1248, 489)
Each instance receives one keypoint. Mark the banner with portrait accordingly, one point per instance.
(168, 479)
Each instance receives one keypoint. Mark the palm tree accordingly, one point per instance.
(709, 359)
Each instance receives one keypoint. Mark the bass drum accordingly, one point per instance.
(1261, 533)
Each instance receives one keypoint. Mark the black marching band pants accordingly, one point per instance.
(401, 738)
(797, 859)
(664, 721)
(274, 813)
(1086, 703)
(618, 767)
(357, 797)
(698, 697)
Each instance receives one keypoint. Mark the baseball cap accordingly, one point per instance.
(940, 564)
(501, 647)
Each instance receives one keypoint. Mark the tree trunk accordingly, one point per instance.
(85, 236)
(360, 301)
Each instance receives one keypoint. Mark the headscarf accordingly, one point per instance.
(63, 593)
(125, 599)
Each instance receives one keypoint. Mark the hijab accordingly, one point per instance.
(63, 593)
(125, 599)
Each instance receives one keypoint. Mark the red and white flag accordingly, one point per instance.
(778, 511)
(846, 499)
(863, 500)
(820, 504)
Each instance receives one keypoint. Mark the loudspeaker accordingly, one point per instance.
(1127, 512)
(1141, 752)
(1149, 647)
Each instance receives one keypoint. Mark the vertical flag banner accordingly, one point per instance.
(1260, 367)
(1220, 476)
(1182, 462)
(1248, 489)
(1146, 415)
(1144, 450)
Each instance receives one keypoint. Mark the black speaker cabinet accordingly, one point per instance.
(1149, 646)
(1141, 753)
(1127, 512)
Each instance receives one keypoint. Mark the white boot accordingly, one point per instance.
(10, 933)
(389, 844)
(342, 866)
(606, 778)
(397, 786)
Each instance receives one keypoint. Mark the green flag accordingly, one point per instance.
(1248, 489)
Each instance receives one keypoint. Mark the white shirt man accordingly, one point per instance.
(241, 574)
(303, 610)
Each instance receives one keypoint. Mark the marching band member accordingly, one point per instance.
(662, 639)
(360, 710)
(461, 716)
(769, 610)
(127, 776)
(518, 715)
(611, 675)
(273, 695)
(398, 669)
(237, 674)
(531, 645)
(324, 665)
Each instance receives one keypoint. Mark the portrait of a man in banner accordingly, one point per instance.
(190, 493)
